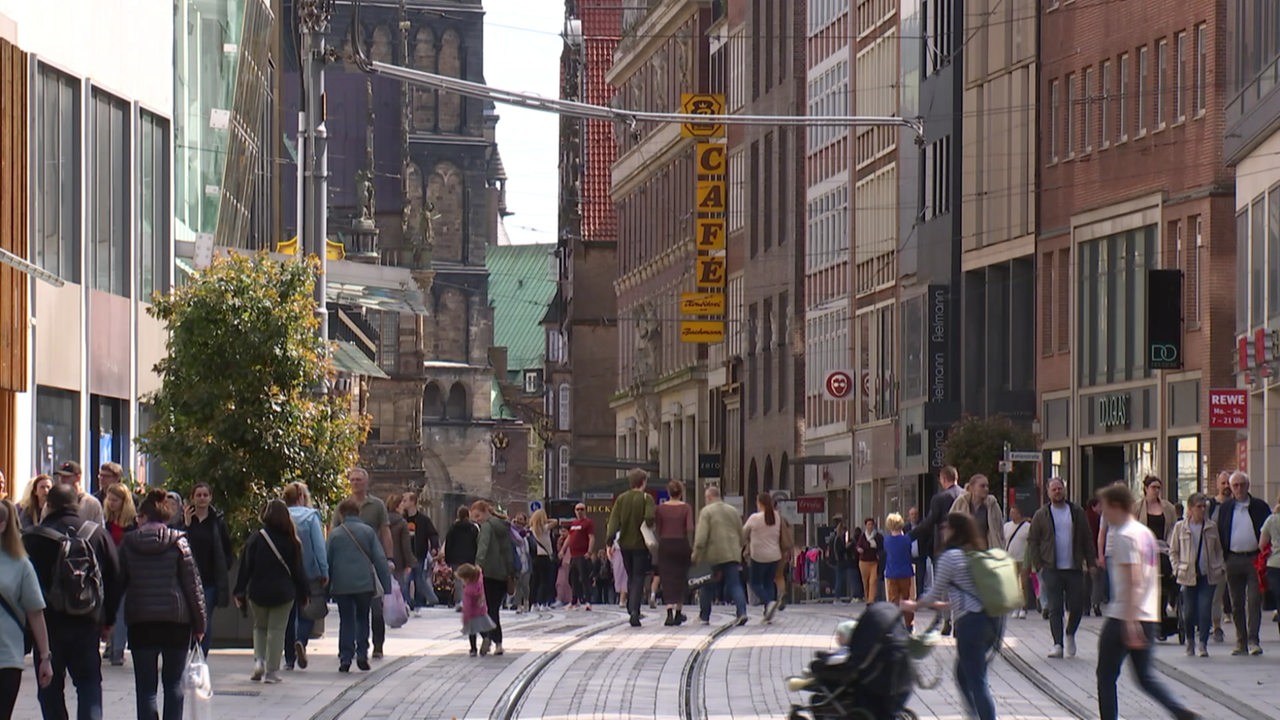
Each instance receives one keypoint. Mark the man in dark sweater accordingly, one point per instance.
(426, 539)
(73, 639)
(930, 528)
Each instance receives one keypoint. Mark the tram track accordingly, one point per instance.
(692, 706)
(508, 707)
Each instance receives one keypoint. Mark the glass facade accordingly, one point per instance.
(1112, 306)
(1258, 261)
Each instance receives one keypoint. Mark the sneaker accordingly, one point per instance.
(1204, 650)
(1255, 650)
(472, 652)
(1191, 649)
(1056, 652)
(485, 646)
(300, 651)
(769, 611)
(742, 620)
(497, 649)
(271, 679)
(1070, 645)
(1218, 635)
(946, 627)
(258, 671)
(377, 653)
(363, 664)
(1238, 651)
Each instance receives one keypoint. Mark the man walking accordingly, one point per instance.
(632, 509)
(374, 514)
(1133, 615)
(1221, 601)
(88, 507)
(930, 528)
(80, 603)
(1240, 521)
(580, 548)
(1060, 549)
(718, 541)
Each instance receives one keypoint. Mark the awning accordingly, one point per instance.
(820, 459)
(348, 358)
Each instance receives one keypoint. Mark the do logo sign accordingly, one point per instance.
(839, 385)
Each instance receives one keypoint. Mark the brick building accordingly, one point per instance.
(1132, 180)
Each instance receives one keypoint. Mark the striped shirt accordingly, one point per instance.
(953, 583)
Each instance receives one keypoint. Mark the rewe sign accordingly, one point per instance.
(1229, 409)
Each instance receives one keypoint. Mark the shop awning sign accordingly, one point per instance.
(1229, 409)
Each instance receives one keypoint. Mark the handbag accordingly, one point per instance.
(700, 574)
(378, 590)
(650, 539)
(317, 604)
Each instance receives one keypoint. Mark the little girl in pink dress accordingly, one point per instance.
(475, 610)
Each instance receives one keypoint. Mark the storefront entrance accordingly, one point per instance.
(1102, 465)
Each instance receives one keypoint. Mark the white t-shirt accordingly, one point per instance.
(1063, 531)
(1016, 539)
(1133, 544)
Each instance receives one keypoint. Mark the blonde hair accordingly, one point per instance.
(296, 494)
(893, 523)
(11, 538)
(31, 503)
(393, 501)
(467, 573)
(538, 522)
(127, 513)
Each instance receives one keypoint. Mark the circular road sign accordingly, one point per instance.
(838, 384)
(535, 506)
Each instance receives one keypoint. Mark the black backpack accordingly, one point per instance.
(75, 585)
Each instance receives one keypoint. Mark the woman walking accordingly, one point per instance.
(164, 605)
(315, 566)
(673, 524)
(1195, 551)
(401, 548)
(22, 605)
(120, 516)
(460, 547)
(494, 556)
(270, 581)
(762, 534)
(543, 582)
(975, 632)
(32, 509)
(211, 546)
(356, 559)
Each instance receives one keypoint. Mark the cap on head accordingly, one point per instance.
(69, 468)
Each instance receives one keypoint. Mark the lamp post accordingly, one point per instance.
(313, 144)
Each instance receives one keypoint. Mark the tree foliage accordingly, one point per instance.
(238, 407)
(976, 445)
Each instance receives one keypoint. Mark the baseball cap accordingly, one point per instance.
(68, 469)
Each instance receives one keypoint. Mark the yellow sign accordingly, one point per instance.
(710, 233)
(702, 331)
(334, 250)
(710, 158)
(711, 196)
(711, 272)
(702, 104)
(702, 303)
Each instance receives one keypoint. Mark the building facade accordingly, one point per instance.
(660, 403)
(583, 454)
(13, 239)
(1121, 83)
(1251, 144)
(99, 151)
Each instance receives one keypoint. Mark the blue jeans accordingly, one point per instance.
(731, 580)
(1197, 610)
(147, 673)
(1111, 654)
(762, 581)
(423, 593)
(75, 653)
(353, 627)
(297, 630)
(119, 637)
(210, 600)
(975, 633)
(847, 582)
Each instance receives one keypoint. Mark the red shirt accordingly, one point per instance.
(581, 530)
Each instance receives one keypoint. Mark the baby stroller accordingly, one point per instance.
(870, 676)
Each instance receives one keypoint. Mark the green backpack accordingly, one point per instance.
(995, 575)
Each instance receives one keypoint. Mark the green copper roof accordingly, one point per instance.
(520, 286)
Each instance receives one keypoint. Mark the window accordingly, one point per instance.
(564, 471)
(557, 348)
(55, 173)
(1087, 110)
(1179, 77)
(1111, 283)
(1192, 272)
(1063, 281)
(109, 205)
(1242, 271)
(1273, 258)
(562, 416)
(1141, 97)
(938, 15)
(784, 349)
(1202, 60)
(1071, 116)
(937, 163)
(1162, 66)
(57, 427)
(1122, 118)
(1257, 260)
(827, 241)
(153, 205)
(1053, 121)
(1104, 121)
(388, 340)
(532, 382)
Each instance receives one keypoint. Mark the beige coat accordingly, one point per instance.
(1182, 554)
(1170, 517)
(995, 519)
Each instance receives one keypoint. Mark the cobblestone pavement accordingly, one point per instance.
(564, 664)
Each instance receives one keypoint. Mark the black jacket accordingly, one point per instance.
(930, 526)
(43, 553)
(425, 536)
(211, 547)
(162, 584)
(461, 544)
(1258, 512)
(263, 578)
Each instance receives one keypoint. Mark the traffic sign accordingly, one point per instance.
(1005, 466)
(702, 104)
(838, 385)
(1024, 456)
(535, 506)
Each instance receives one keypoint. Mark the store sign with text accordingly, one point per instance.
(702, 312)
(1228, 409)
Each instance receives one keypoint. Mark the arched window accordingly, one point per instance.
(432, 402)
(784, 473)
(768, 475)
(457, 408)
(562, 420)
(564, 471)
(753, 487)
(450, 65)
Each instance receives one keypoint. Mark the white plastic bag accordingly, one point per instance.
(197, 686)
(394, 612)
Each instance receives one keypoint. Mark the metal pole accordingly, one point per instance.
(313, 218)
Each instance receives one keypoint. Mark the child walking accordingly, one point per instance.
(475, 610)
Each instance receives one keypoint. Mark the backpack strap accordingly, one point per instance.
(87, 530)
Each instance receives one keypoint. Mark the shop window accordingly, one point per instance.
(109, 212)
(1112, 292)
(1186, 465)
(153, 205)
(55, 173)
(57, 430)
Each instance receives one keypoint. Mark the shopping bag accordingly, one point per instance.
(700, 574)
(394, 612)
(197, 687)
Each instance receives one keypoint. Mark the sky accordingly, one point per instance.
(522, 52)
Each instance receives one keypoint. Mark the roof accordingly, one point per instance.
(601, 26)
(520, 286)
(349, 358)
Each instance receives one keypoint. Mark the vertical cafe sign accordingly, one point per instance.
(702, 311)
